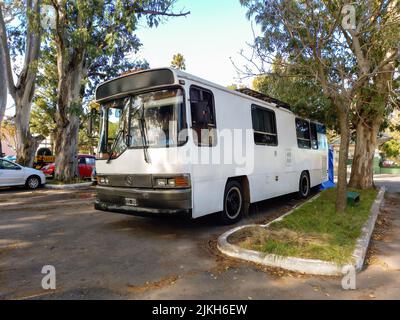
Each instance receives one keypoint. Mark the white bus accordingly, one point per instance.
(173, 143)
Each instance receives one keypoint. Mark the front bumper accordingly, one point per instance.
(147, 201)
(42, 179)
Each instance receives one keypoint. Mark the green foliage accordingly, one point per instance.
(391, 149)
(43, 112)
(178, 62)
(302, 94)
(104, 32)
(315, 55)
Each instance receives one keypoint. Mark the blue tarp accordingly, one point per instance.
(330, 183)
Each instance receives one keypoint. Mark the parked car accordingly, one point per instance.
(11, 158)
(12, 174)
(389, 163)
(86, 163)
(44, 156)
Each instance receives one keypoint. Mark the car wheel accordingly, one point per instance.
(304, 185)
(33, 182)
(233, 203)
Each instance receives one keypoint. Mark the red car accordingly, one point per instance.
(86, 163)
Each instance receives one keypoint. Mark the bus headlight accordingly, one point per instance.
(161, 183)
(103, 180)
(182, 181)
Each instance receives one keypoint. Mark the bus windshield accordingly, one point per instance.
(149, 120)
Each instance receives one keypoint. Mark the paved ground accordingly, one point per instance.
(106, 255)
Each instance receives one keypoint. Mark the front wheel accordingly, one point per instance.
(233, 203)
(33, 182)
(304, 185)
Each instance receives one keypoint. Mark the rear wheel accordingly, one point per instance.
(33, 182)
(304, 185)
(233, 203)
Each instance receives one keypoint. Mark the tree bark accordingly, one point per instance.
(26, 144)
(341, 197)
(67, 118)
(362, 170)
(3, 93)
(22, 92)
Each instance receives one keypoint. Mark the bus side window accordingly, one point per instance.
(303, 134)
(264, 126)
(322, 139)
(314, 136)
(203, 117)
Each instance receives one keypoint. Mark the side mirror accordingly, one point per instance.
(92, 117)
(94, 107)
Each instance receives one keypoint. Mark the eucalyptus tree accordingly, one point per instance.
(101, 68)
(21, 40)
(84, 30)
(3, 93)
(374, 42)
(317, 40)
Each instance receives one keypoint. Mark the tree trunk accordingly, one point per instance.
(67, 151)
(3, 92)
(22, 92)
(26, 143)
(362, 170)
(341, 197)
(67, 118)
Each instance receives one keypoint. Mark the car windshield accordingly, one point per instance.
(150, 120)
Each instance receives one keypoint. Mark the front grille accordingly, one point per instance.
(130, 181)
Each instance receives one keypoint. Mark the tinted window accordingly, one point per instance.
(314, 136)
(303, 134)
(82, 161)
(8, 165)
(264, 126)
(203, 117)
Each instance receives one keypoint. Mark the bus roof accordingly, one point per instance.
(169, 76)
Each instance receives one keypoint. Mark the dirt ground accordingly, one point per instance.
(101, 255)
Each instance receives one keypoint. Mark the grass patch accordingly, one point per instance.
(315, 230)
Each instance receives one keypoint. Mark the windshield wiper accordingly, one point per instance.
(120, 132)
(144, 136)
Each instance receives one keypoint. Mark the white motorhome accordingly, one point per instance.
(171, 143)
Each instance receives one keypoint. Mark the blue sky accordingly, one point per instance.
(214, 31)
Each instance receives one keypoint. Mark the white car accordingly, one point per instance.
(12, 174)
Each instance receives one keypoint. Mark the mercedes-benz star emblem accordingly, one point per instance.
(129, 180)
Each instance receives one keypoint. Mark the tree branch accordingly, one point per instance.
(163, 13)
(6, 53)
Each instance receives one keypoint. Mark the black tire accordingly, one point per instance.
(233, 203)
(33, 182)
(304, 185)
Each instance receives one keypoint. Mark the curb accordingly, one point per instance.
(308, 266)
(75, 186)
